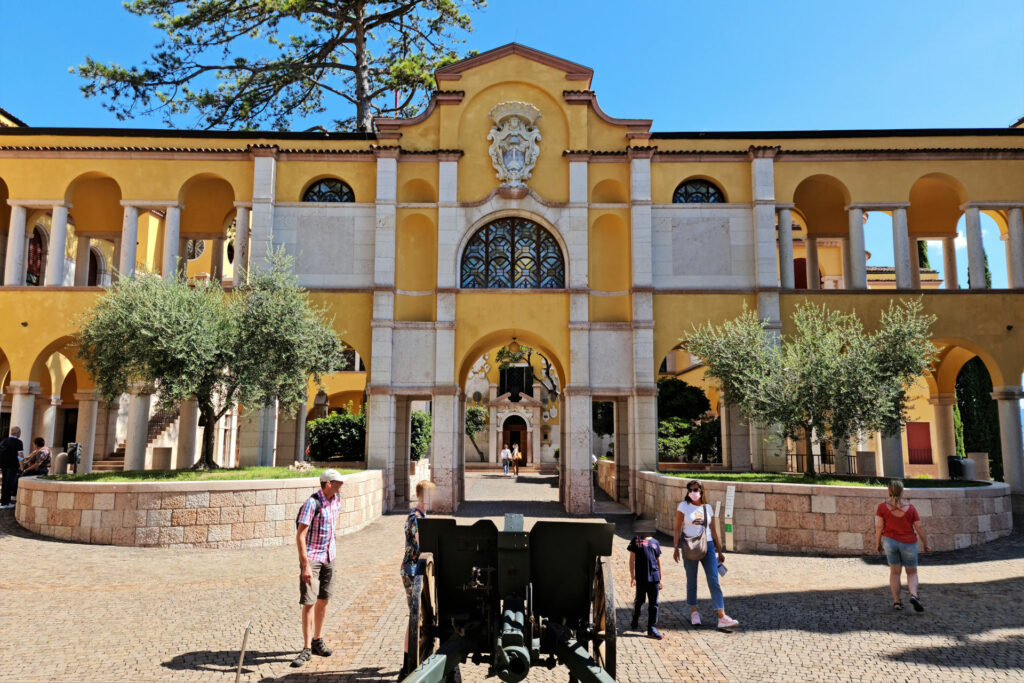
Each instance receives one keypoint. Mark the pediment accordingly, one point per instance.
(572, 70)
(504, 400)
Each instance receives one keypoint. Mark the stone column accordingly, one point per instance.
(579, 482)
(267, 448)
(1008, 399)
(975, 248)
(493, 447)
(116, 263)
(945, 436)
(762, 181)
(87, 405)
(188, 429)
(217, 259)
(48, 431)
(138, 429)
(261, 218)
(735, 439)
(844, 248)
(58, 238)
(949, 262)
(172, 238)
(535, 423)
(241, 262)
(786, 277)
(901, 248)
(15, 261)
(1015, 246)
(129, 241)
(858, 262)
(23, 407)
(915, 263)
(82, 261)
(444, 465)
(300, 430)
(811, 260)
(892, 455)
(380, 437)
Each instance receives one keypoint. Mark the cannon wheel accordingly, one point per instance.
(602, 616)
(422, 614)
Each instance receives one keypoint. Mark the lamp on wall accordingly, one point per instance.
(514, 346)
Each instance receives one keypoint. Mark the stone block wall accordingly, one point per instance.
(201, 514)
(836, 520)
(607, 477)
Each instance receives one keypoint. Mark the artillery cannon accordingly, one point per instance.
(513, 600)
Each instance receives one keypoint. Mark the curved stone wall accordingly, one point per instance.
(833, 519)
(195, 514)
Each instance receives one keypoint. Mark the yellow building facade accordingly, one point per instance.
(512, 209)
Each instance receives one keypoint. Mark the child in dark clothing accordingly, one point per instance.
(645, 574)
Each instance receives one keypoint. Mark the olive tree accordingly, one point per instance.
(193, 340)
(828, 377)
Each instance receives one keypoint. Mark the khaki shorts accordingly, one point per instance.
(322, 575)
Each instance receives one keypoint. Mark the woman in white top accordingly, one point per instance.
(693, 517)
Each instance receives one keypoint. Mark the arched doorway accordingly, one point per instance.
(515, 432)
(34, 272)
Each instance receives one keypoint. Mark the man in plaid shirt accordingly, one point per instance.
(315, 538)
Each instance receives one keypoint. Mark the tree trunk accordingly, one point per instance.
(207, 420)
(809, 462)
(364, 113)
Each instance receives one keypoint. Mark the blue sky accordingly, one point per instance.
(712, 65)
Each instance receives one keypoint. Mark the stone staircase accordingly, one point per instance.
(159, 423)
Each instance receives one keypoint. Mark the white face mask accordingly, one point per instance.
(694, 496)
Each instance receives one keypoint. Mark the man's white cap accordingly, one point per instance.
(330, 475)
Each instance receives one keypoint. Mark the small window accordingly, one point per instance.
(698, 191)
(329, 190)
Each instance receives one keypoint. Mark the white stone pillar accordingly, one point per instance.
(172, 237)
(901, 248)
(15, 262)
(58, 238)
(188, 429)
(138, 429)
(261, 219)
(735, 439)
(786, 277)
(915, 263)
(949, 262)
(241, 261)
(116, 263)
(844, 249)
(300, 430)
(1015, 246)
(87, 406)
(762, 180)
(380, 438)
(1008, 399)
(129, 241)
(444, 465)
(48, 424)
(579, 483)
(267, 448)
(945, 435)
(858, 259)
(82, 259)
(217, 259)
(975, 248)
(23, 408)
(892, 455)
(811, 260)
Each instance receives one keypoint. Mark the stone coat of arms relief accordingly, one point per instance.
(514, 148)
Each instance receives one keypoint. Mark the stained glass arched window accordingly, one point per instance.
(329, 190)
(512, 253)
(698, 191)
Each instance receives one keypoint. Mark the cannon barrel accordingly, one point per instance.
(437, 667)
(512, 653)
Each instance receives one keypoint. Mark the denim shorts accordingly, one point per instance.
(900, 553)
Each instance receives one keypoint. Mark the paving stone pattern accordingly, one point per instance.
(73, 612)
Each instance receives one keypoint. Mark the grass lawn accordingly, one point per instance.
(824, 480)
(239, 473)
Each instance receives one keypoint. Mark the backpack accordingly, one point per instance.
(316, 511)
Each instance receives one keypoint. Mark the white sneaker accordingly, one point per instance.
(6, 507)
(695, 618)
(727, 623)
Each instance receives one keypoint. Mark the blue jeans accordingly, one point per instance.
(504, 463)
(710, 563)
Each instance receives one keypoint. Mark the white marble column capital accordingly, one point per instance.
(944, 399)
(1007, 393)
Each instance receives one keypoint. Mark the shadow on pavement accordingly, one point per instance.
(1005, 653)
(224, 661)
(348, 676)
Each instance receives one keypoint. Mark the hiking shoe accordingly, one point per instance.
(727, 623)
(695, 619)
(654, 633)
(916, 602)
(319, 649)
(302, 658)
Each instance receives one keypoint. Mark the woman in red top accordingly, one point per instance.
(897, 528)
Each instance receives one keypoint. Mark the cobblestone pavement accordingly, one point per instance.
(98, 613)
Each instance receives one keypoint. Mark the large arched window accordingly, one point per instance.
(329, 190)
(697, 191)
(512, 253)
